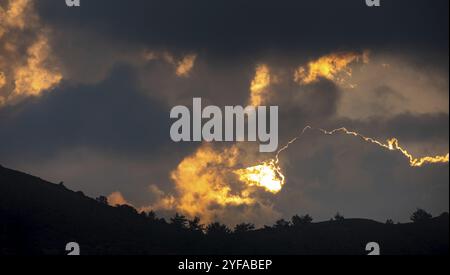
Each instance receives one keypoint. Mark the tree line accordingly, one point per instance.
(182, 222)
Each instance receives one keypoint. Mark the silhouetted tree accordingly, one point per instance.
(338, 217)
(179, 221)
(196, 226)
(162, 220)
(217, 229)
(122, 230)
(282, 224)
(244, 227)
(298, 221)
(102, 200)
(420, 216)
(151, 215)
(444, 215)
(390, 222)
(127, 208)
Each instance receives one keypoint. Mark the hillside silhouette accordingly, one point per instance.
(38, 217)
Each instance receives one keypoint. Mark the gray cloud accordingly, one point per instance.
(235, 28)
(105, 128)
(330, 174)
(112, 116)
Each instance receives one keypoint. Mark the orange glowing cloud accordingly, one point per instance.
(116, 198)
(2, 80)
(259, 85)
(267, 175)
(335, 67)
(32, 78)
(14, 16)
(185, 66)
(202, 181)
(27, 66)
(209, 182)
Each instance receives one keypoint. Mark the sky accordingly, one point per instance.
(86, 93)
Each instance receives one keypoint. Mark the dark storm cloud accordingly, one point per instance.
(330, 174)
(112, 116)
(119, 116)
(316, 106)
(234, 27)
(313, 105)
(407, 127)
(417, 127)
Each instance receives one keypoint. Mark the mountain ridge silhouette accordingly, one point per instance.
(40, 218)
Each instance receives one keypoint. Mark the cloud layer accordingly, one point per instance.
(27, 67)
(85, 97)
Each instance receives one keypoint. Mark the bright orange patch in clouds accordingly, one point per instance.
(116, 198)
(335, 67)
(202, 180)
(259, 85)
(32, 78)
(27, 66)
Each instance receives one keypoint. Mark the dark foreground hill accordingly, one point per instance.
(38, 217)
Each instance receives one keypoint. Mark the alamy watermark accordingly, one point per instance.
(373, 3)
(73, 249)
(226, 126)
(369, 3)
(73, 3)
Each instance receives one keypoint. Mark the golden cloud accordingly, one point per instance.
(27, 65)
(183, 66)
(116, 198)
(259, 85)
(32, 78)
(335, 67)
(208, 184)
(14, 16)
(201, 181)
(2, 80)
